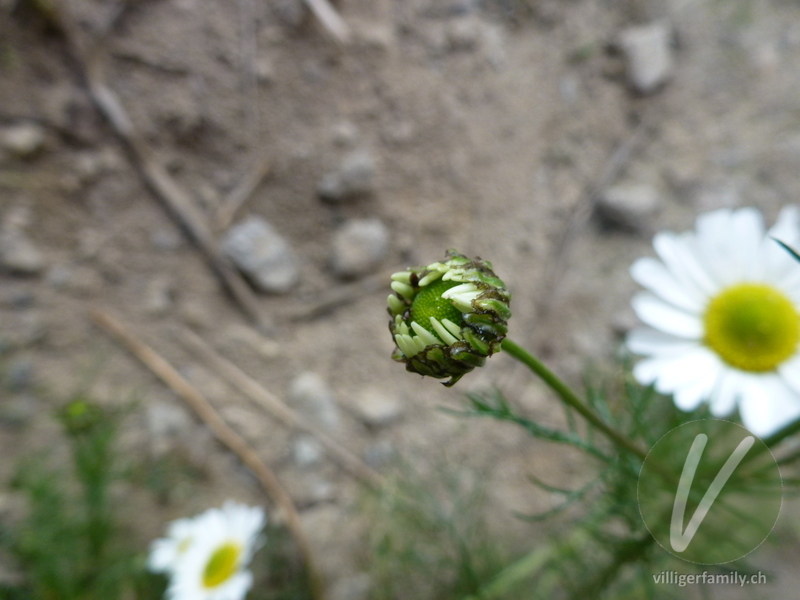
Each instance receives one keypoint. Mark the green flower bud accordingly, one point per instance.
(448, 317)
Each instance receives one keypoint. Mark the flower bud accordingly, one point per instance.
(448, 317)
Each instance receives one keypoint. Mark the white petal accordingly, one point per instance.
(747, 229)
(651, 342)
(446, 336)
(664, 317)
(680, 257)
(690, 396)
(780, 267)
(427, 337)
(790, 372)
(653, 275)
(768, 404)
(670, 373)
(727, 392)
(713, 242)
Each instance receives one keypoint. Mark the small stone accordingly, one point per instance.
(23, 140)
(307, 451)
(262, 254)
(569, 88)
(464, 34)
(165, 239)
(355, 177)
(18, 254)
(310, 394)
(167, 424)
(373, 36)
(345, 134)
(265, 70)
(375, 408)
(354, 587)
(628, 206)
(398, 133)
(379, 454)
(195, 314)
(648, 54)
(359, 246)
(158, 296)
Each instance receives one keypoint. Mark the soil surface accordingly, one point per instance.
(492, 127)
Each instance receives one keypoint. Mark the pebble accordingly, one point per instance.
(307, 451)
(648, 55)
(376, 408)
(345, 134)
(262, 254)
(628, 206)
(18, 254)
(165, 239)
(167, 425)
(379, 454)
(23, 140)
(354, 587)
(355, 177)
(158, 296)
(311, 395)
(16, 298)
(359, 246)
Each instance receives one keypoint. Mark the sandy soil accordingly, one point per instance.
(492, 125)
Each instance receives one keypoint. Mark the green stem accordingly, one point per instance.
(570, 398)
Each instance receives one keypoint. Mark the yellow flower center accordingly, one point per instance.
(222, 565)
(752, 327)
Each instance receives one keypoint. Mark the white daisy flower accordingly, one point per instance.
(723, 309)
(207, 556)
(165, 552)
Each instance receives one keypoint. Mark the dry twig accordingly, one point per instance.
(330, 19)
(278, 409)
(177, 201)
(242, 192)
(201, 406)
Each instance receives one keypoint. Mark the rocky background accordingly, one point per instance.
(550, 137)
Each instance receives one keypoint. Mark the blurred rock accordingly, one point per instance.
(158, 296)
(628, 206)
(376, 408)
(354, 587)
(23, 140)
(355, 177)
(307, 451)
(265, 70)
(262, 254)
(648, 55)
(194, 313)
(464, 34)
(379, 454)
(310, 394)
(345, 134)
(26, 329)
(168, 425)
(359, 246)
(165, 239)
(291, 12)
(18, 254)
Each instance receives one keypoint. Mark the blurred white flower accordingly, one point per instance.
(723, 309)
(207, 556)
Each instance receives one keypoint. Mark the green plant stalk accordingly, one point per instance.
(570, 398)
(528, 566)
